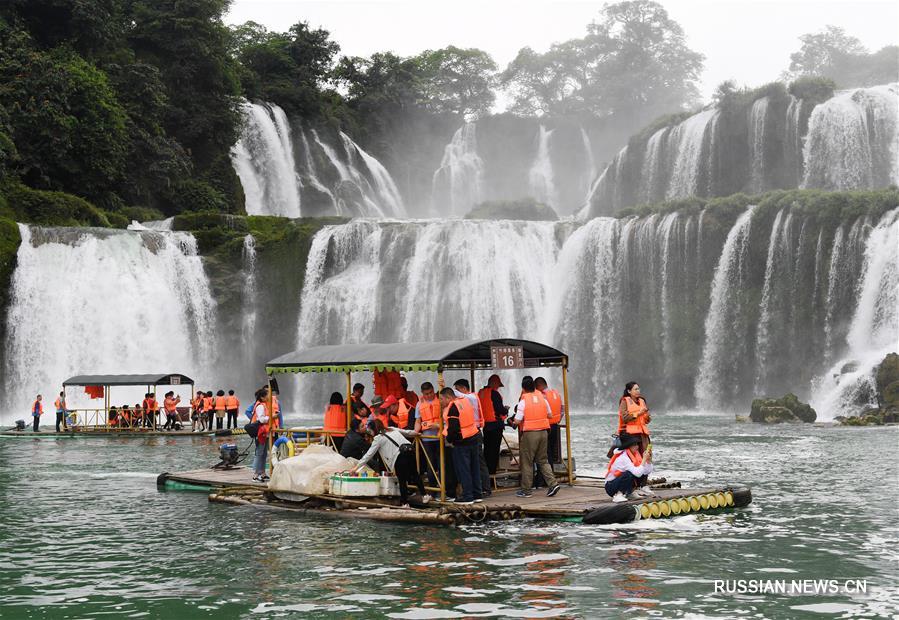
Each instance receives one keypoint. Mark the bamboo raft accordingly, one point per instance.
(100, 432)
(583, 501)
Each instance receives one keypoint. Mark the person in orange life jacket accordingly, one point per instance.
(626, 467)
(358, 404)
(355, 444)
(396, 453)
(554, 445)
(379, 411)
(491, 404)
(196, 407)
(218, 404)
(400, 413)
(37, 410)
(532, 416)
(170, 406)
(113, 416)
(461, 388)
(335, 420)
(460, 429)
(633, 416)
(427, 423)
(208, 410)
(151, 411)
(60, 406)
(145, 405)
(261, 415)
(232, 406)
(409, 396)
(125, 416)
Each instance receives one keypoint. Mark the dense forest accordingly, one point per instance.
(112, 110)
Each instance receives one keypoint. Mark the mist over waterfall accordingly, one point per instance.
(93, 301)
(540, 176)
(457, 185)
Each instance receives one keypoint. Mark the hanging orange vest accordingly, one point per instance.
(466, 418)
(335, 420)
(485, 398)
(429, 412)
(535, 418)
(401, 417)
(219, 403)
(231, 403)
(637, 426)
(636, 459)
(555, 405)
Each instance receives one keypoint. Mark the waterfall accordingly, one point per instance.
(250, 290)
(758, 115)
(540, 176)
(849, 385)
(311, 173)
(457, 185)
(842, 278)
(852, 140)
(589, 161)
(687, 140)
(725, 323)
(793, 141)
(665, 239)
(94, 301)
(264, 162)
(652, 179)
(775, 300)
(385, 189)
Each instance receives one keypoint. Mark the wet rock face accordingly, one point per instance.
(778, 410)
(887, 386)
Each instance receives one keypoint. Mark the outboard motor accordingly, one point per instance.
(229, 455)
(20, 425)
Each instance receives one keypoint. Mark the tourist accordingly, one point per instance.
(491, 403)
(356, 398)
(627, 468)
(355, 443)
(379, 410)
(60, 405)
(232, 406)
(398, 456)
(409, 395)
(461, 430)
(401, 415)
(170, 405)
(462, 388)
(261, 417)
(427, 424)
(554, 442)
(145, 404)
(196, 411)
(633, 416)
(113, 416)
(125, 416)
(37, 410)
(334, 426)
(532, 416)
(219, 405)
(208, 411)
(151, 411)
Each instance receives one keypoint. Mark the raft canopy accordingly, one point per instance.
(113, 380)
(412, 356)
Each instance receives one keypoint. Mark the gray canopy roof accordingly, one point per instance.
(154, 379)
(412, 356)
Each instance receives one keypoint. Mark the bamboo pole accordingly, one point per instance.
(271, 419)
(349, 400)
(440, 386)
(567, 422)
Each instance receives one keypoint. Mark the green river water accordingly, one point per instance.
(84, 533)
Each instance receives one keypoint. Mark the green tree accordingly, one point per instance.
(458, 81)
(821, 50)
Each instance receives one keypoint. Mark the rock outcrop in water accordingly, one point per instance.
(887, 396)
(778, 410)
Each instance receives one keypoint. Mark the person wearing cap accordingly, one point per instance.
(491, 404)
(462, 389)
(626, 469)
(379, 410)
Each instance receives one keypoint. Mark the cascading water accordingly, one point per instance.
(852, 140)
(849, 386)
(540, 176)
(758, 115)
(725, 323)
(386, 192)
(688, 139)
(93, 301)
(457, 185)
(652, 181)
(250, 290)
(264, 162)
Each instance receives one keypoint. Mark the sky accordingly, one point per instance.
(748, 41)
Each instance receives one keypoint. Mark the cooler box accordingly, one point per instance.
(390, 486)
(354, 486)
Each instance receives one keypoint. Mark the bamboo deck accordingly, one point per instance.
(236, 486)
(105, 433)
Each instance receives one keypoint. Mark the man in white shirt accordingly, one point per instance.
(626, 466)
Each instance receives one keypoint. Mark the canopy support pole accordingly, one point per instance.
(474, 388)
(271, 416)
(440, 386)
(567, 423)
(349, 400)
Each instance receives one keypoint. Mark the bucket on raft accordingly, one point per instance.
(354, 486)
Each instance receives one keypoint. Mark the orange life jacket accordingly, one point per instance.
(637, 426)
(411, 398)
(219, 403)
(231, 403)
(636, 459)
(169, 405)
(58, 404)
(335, 420)
(535, 418)
(555, 405)
(485, 398)
(207, 403)
(153, 403)
(38, 406)
(466, 418)
(382, 415)
(401, 417)
(429, 412)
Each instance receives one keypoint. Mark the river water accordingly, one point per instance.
(85, 533)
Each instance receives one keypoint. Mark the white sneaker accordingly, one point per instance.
(619, 497)
(426, 499)
(644, 492)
